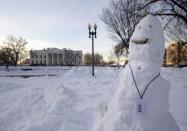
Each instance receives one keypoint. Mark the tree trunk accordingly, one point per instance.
(118, 62)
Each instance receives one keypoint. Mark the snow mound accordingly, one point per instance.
(59, 102)
(43, 109)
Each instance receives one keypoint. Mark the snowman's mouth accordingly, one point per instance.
(144, 41)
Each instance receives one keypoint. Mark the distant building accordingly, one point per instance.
(175, 54)
(54, 56)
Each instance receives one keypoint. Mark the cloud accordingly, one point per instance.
(44, 22)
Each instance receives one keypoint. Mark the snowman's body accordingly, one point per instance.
(145, 58)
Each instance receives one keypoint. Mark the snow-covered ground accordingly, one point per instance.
(69, 101)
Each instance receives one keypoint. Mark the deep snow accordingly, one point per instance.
(69, 101)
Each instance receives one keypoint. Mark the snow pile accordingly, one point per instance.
(128, 111)
(63, 102)
(70, 102)
(58, 106)
(42, 108)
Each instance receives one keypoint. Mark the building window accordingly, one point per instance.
(41, 56)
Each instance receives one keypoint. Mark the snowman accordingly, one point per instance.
(141, 101)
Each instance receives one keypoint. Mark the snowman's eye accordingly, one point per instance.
(150, 26)
(139, 27)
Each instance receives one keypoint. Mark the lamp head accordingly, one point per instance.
(95, 26)
(89, 26)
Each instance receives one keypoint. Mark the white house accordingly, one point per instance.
(54, 56)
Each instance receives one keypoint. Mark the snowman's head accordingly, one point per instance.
(147, 42)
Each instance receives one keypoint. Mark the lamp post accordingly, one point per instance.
(92, 34)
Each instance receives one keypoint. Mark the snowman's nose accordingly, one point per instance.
(144, 41)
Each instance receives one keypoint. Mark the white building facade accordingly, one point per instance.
(54, 56)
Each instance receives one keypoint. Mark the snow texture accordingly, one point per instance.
(59, 103)
(70, 101)
(146, 56)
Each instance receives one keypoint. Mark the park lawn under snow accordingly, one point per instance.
(69, 101)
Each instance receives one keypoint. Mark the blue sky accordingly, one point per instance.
(55, 23)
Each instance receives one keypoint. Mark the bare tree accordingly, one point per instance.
(174, 19)
(176, 30)
(16, 48)
(118, 52)
(111, 57)
(173, 14)
(98, 58)
(174, 8)
(5, 56)
(87, 59)
(121, 17)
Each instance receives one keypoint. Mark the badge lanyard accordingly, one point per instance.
(139, 107)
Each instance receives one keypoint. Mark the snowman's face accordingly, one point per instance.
(147, 42)
(142, 38)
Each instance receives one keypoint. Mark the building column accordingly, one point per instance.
(58, 62)
(62, 58)
(46, 59)
(52, 59)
